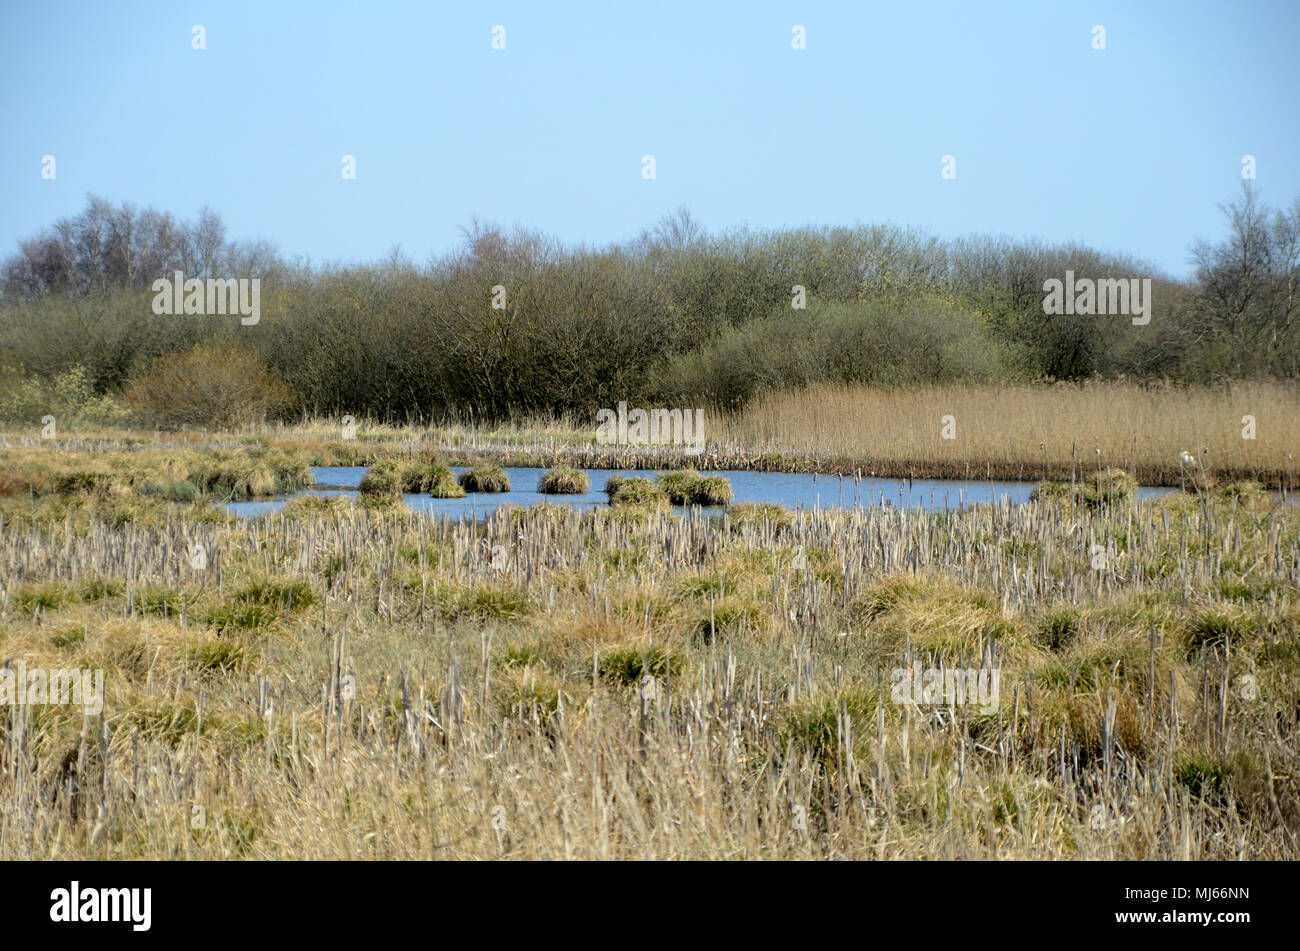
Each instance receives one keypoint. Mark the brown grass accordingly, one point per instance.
(354, 683)
(1032, 432)
(1019, 433)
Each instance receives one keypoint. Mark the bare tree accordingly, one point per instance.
(1247, 309)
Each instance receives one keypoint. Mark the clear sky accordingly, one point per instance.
(1130, 148)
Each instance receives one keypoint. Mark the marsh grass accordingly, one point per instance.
(172, 475)
(712, 490)
(563, 482)
(688, 487)
(1094, 490)
(745, 514)
(680, 486)
(1025, 433)
(432, 479)
(635, 492)
(352, 669)
(485, 478)
(628, 666)
(1031, 432)
(381, 484)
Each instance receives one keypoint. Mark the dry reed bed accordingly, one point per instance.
(345, 682)
(1033, 432)
(1017, 433)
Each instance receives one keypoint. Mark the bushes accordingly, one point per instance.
(484, 602)
(210, 385)
(69, 397)
(886, 341)
(171, 475)
(236, 476)
(385, 482)
(262, 604)
(683, 487)
(679, 315)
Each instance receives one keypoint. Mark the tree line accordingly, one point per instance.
(514, 322)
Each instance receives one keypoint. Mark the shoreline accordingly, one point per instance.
(547, 453)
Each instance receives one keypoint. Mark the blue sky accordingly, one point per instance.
(1129, 149)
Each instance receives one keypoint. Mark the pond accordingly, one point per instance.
(792, 490)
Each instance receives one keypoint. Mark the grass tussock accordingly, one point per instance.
(635, 492)
(433, 479)
(485, 478)
(688, 487)
(563, 482)
(1111, 487)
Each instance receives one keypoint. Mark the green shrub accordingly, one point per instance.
(175, 490)
(165, 602)
(702, 586)
(72, 637)
(688, 487)
(1241, 492)
(1215, 627)
(520, 656)
(1204, 774)
(813, 725)
(235, 475)
(489, 602)
(69, 397)
(166, 722)
(211, 385)
(307, 506)
(240, 616)
(727, 617)
(97, 589)
(88, 483)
